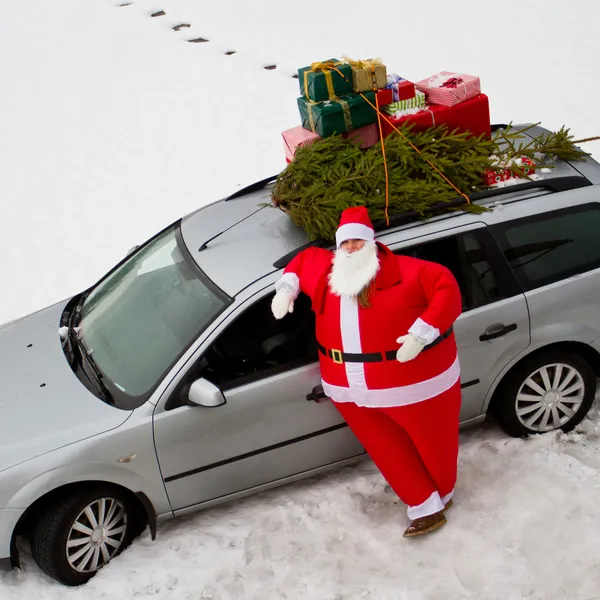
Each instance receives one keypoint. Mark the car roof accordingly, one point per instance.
(240, 239)
(249, 239)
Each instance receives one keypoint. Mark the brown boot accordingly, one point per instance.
(426, 524)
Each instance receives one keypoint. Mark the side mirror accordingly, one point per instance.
(132, 250)
(204, 393)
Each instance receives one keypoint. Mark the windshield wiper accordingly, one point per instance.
(81, 356)
(85, 360)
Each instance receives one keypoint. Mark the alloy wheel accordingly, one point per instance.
(96, 535)
(549, 397)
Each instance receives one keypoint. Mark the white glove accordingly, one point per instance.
(410, 348)
(282, 304)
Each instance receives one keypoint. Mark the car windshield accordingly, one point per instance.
(140, 319)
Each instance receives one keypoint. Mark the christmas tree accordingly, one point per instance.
(335, 173)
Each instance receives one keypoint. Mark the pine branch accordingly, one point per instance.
(333, 173)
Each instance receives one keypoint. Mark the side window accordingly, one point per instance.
(257, 345)
(468, 261)
(549, 247)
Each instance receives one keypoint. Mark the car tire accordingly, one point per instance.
(568, 383)
(80, 533)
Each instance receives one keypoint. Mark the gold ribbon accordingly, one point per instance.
(326, 68)
(368, 64)
(345, 112)
(311, 118)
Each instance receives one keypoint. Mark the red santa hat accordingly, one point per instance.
(355, 224)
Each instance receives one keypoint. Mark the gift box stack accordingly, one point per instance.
(452, 99)
(339, 98)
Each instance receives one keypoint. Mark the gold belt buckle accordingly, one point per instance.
(336, 356)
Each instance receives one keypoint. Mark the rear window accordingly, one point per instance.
(549, 247)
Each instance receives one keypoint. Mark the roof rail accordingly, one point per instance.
(259, 185)
(283, 262)
(557, 184)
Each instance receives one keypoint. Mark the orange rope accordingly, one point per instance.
(379, 115)
(387, 186)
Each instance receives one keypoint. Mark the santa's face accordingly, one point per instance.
(352, 245)
(355, 264)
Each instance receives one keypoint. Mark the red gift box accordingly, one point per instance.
(491, 177)
(406, 89)
(384, 97)
(294, 138)
(402, 89)
(366, 136)
(447, 88)
(471, 115)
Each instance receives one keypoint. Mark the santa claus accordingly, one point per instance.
(402, 402)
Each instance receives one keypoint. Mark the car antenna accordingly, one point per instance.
(203, 247)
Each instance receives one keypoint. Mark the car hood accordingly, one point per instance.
(43, 405)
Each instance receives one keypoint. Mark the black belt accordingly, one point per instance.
(340, 357)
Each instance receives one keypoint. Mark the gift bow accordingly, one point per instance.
(453, 82)
(325, 67)
(393, 78)
(367, 63)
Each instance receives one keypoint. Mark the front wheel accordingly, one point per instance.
(547, 392)
(81, 533)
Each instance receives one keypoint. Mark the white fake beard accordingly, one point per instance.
(351, 272)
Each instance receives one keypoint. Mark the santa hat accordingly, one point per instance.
(355, 224)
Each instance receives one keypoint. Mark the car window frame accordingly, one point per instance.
(508, 284)
(172, 402)
(498, 232)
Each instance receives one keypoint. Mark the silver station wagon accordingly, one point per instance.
(169, 387)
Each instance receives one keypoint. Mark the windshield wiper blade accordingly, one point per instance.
(85, 360)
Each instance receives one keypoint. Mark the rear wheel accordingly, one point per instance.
(547, 392)
(79, 534)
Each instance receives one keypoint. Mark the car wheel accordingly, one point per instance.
(547, 392)
(81, 533)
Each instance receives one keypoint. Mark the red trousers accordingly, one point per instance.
(414, 446)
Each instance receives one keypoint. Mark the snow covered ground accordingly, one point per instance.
(113, 125)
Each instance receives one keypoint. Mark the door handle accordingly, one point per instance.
(497, 330)
(317, 395)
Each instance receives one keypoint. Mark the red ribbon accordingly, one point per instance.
(453, 82)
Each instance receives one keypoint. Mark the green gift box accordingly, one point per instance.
(321, 81)
(337, 115)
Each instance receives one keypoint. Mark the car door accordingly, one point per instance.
(555, 256)
(494, 327)
(274, 425)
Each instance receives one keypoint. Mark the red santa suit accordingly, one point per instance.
(406, 414)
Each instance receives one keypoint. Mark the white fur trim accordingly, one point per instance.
(432, 505)
(290, 283)
(350, 329)
(353, 231)
(424, 331)
(447, 497)
(396, 396)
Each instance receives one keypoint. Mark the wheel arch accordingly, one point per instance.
(25, 524)
(586, 351)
